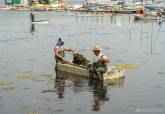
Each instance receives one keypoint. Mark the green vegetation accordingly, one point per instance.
(48, 1)
(45, 1)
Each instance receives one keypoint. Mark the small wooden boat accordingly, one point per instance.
(146, 17)
(40, 22)
(111, 73)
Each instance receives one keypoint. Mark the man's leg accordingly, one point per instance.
(92, 72)
(99, 72)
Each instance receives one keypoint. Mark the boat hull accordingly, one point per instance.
(111, 73)
(40, 22)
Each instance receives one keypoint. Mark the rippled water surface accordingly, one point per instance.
(27, 63)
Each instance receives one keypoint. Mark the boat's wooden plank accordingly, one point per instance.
(73, 69)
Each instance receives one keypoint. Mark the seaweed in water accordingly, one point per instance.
(80, 59)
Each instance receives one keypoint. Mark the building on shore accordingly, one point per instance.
(29, 2)
(17, 2)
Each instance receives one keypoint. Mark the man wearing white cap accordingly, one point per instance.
(99, 65)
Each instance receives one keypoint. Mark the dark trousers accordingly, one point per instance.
(97, 72)
(32, 18)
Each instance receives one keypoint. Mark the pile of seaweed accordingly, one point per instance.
(79, 59)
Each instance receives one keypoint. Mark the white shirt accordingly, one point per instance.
(99, 57)
(59, 47)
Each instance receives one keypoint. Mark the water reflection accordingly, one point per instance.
(95, 18)
(32, 29)
(98, 88)
(152, 32)
(79, 83)
(100, 91)
(59, 86)
(99, 94)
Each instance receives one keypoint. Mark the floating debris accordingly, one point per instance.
(157, 86)
(27, 77)
(161, 73)
(86, 33)
(46, 75)
(59, 110)
(25, 107)
(8, 88)
(127, 66)
(5, 83)
(33, 113)
(26, 88)
(48, 91)
(38, 80)
(30, 77)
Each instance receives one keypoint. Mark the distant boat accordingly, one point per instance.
(40, 22)
(147, 17)
(125, 11)
(6, 8)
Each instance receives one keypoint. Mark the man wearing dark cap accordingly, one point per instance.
(59, 51)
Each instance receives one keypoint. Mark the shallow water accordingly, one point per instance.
(27, 60)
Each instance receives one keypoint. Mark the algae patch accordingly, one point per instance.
(29, 77)
(8, 88)
(127, 66)
(5, 83)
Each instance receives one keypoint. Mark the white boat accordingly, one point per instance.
(111, 73)
(6, 8)
(40, 22)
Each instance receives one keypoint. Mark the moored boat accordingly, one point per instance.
(125, 11)
(146, 17)
(111, 73)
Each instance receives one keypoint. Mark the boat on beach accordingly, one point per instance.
(111, 73)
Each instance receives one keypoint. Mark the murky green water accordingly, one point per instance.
(27, 60)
